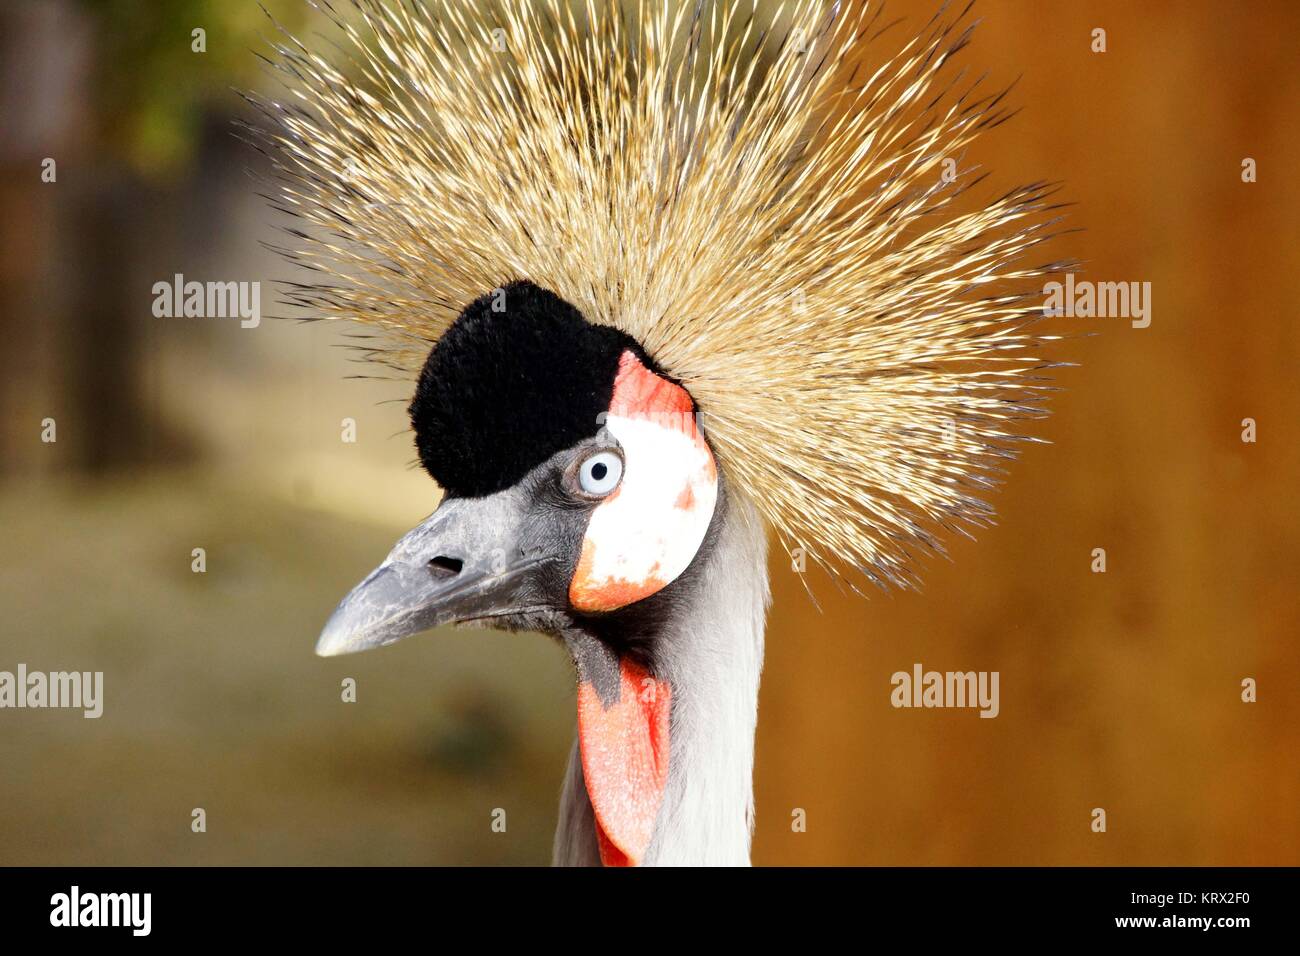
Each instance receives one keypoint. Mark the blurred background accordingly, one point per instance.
(1119, 690)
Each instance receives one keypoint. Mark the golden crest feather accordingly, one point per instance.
(763, 205)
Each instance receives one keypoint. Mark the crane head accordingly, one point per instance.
(578, 492)
(577, 481)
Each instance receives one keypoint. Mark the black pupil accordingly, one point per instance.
(598, 470)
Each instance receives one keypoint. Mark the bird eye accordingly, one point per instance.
(600, 474)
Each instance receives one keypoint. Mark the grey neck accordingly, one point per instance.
(713, 659)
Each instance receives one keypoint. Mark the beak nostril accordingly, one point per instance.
(445, 567)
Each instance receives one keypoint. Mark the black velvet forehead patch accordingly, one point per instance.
(503, 391)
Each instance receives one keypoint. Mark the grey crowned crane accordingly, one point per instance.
(669, 281)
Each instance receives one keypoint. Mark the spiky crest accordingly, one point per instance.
(763, 208)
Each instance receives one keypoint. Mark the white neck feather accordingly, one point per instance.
(713, 656)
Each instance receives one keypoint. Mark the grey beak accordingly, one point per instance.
(463, 563)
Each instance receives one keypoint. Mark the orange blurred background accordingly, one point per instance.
(1119, 690)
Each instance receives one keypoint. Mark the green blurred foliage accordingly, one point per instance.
(153, 89)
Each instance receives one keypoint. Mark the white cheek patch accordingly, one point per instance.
(645, 534)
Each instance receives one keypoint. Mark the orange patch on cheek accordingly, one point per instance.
(640, 393)
(588, 593)
(642, 537)
(686, 500)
